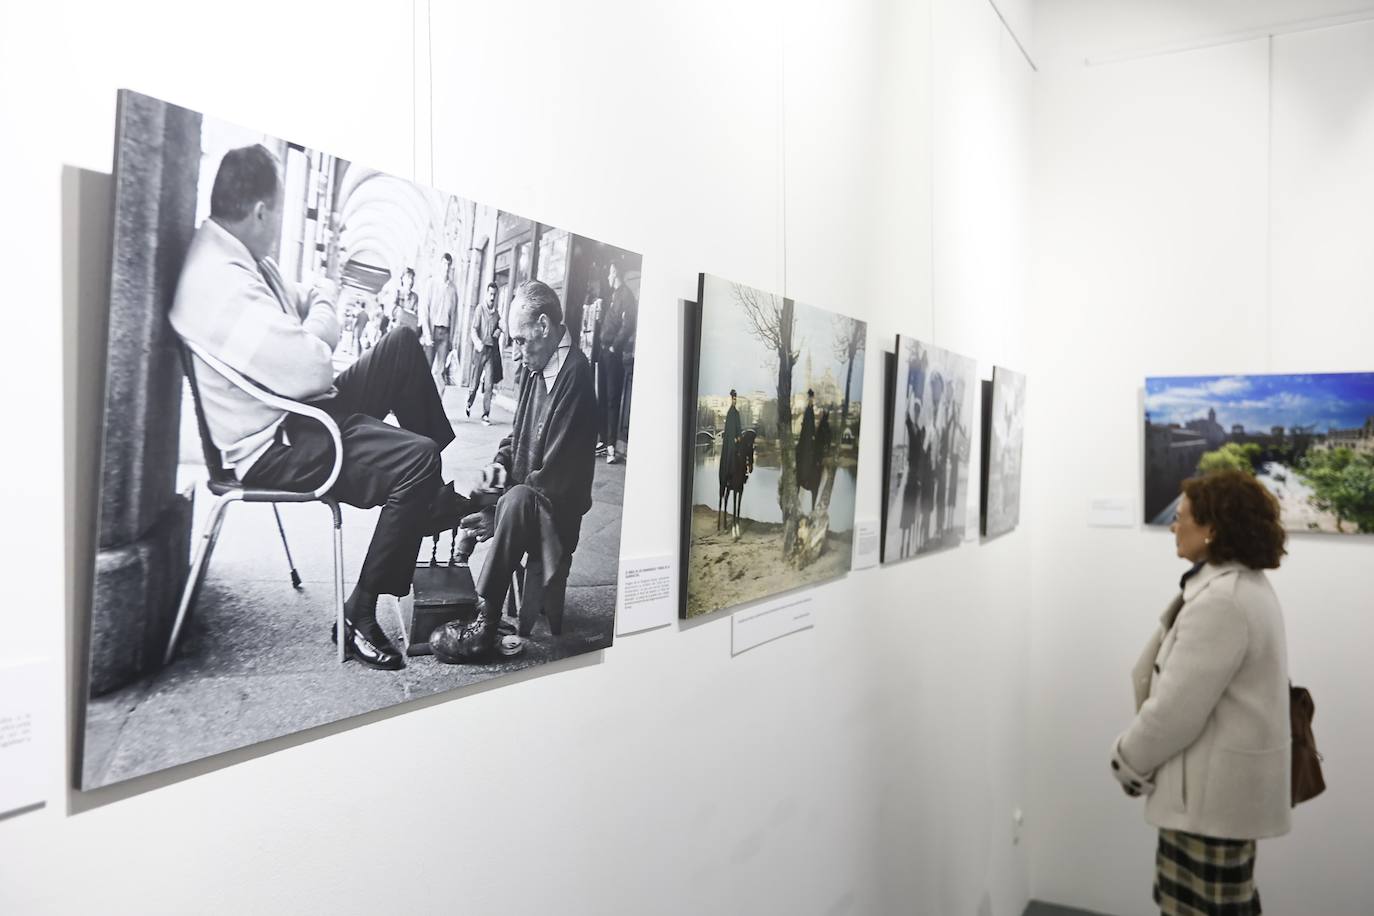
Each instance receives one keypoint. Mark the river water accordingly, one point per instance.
(760, 501)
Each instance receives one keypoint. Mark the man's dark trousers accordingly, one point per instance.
(483, 377)
(397, 469)
(518, 533)
(615, 388)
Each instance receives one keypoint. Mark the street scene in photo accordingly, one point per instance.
(269, 304)
(776, 449)
(1309, 438)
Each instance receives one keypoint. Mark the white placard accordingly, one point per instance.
(21, 735)
(648, 593)
(866, 544)
(1111, 512)
(757, 625)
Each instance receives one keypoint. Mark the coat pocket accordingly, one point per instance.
(1244, 784)
(1171, 784)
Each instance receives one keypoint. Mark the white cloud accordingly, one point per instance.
(1226, 387)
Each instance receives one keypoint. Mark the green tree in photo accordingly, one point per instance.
(1342, 483)
(1231, 457)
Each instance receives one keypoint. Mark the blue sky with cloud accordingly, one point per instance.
(731, 357)
(1258, 402)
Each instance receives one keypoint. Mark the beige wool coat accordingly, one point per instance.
(1210, 742)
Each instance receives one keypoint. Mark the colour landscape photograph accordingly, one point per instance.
(1308, 438)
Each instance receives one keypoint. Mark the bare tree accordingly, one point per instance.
(773, 323)
(850, 338)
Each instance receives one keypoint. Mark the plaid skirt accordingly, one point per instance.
(1202, 876)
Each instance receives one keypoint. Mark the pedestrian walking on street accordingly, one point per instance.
(618, 353)
(486, 342)
(438, 317)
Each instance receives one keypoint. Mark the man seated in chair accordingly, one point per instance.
(545, 466)
(232, 301)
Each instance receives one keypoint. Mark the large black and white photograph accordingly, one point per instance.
(926, 498)
(775, 454)
(1004, 432)
(364, 441)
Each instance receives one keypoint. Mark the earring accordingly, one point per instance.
(1206, 540)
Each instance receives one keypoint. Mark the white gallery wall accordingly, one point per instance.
(1205, 210)
(865, 157)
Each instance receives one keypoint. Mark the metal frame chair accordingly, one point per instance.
(228, 490)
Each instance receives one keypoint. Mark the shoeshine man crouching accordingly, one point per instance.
(232, 300)
(545, 465)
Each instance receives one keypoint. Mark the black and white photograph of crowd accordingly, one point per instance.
(926, 502)
(348, 417)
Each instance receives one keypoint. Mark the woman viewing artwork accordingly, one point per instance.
(1209, 746)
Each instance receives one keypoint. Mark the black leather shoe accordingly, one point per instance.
(369, 645)
(455, 643)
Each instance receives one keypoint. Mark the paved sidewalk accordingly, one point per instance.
(256, 661)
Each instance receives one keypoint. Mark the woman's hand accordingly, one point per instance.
(1134, 784)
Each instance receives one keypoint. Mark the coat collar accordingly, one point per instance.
(1204, 576)
(555, 363)
(226, 242)
(1171, 612)
(1194, 585)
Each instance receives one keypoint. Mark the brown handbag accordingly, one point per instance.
(1307, 763)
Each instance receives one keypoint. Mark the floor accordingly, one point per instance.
(1036, 908)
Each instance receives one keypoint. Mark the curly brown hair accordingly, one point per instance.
(1244, 517)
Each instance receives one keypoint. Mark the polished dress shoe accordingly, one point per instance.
(369, 645)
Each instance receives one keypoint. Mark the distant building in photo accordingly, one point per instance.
(1172, 453)
(1359, 440)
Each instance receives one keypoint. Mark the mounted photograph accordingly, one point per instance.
(774, 411)
(1004, 431)
(1309, 438)
(364, 441)
(933, 393)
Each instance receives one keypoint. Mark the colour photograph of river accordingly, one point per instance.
(778, 410)
(760, 494)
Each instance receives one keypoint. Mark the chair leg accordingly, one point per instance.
(514, 593)
(532, 595)
(555, 597)
(338, 580)
(196, 573)
(281, 529)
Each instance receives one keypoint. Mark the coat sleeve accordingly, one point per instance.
(504, 453)
(283, 353)
(625, 336)
(1140, 674)
(610, 324)
(1208, 649)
